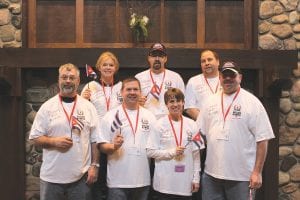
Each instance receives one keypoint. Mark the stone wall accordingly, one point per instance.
(279, 28)
(10, 23)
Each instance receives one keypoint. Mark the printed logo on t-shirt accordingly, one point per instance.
(168, 84)
(119, 97)
(236, 113)
(145, 125)
(80, 115)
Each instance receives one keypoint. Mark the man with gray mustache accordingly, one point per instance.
(67, 128)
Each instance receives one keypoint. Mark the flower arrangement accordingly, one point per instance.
(139, 25)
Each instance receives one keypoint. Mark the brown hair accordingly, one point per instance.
(216, 55)
(130, 79)
(173, 93)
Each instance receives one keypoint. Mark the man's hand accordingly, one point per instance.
(255, 180)
(62, 143)
(118, 141)
(92, 175)
(142, 100)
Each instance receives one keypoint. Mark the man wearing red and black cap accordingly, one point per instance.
(237, 130)
(156, 80)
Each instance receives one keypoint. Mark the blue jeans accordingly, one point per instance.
(220, 189)
(140, 193)
(78, 190)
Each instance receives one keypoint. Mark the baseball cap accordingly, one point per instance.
(229, 65)
(157, 49)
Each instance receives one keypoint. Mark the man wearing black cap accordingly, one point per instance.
(237, 129)
(156, 80)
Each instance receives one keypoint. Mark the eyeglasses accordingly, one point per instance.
(228, 73)
(157, 54)
(65, 78)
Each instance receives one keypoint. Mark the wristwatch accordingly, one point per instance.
(95, 165)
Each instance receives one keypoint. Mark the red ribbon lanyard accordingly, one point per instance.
(107, 100)
(161, 84)
(210, 86)
(130, 123)
(222, 103)
(69, 117)
(174, 133)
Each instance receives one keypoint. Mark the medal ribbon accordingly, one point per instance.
(130, 123)
(174, 133)
(69, 117)
(222, 103)
(210, 86)
(107, 100)
(153, 83)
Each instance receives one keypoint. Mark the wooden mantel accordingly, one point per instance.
(271, 64)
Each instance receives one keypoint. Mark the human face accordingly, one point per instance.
(175, 108)
(209, 64)
(157, 63)
(230, 81)
(68, 82)
(131, 93)
(107, 68)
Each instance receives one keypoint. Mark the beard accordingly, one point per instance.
(157, 65)
(208, 70)
(68, 89)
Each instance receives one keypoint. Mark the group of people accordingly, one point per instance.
(121, 125)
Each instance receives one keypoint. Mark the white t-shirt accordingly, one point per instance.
(172, 176)
(128, 167)
(51, 121)
(99, 98)
(197, 90)
(231, 151)
(172, 79)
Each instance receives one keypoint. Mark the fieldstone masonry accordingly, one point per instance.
(10, 23)
(279, 28)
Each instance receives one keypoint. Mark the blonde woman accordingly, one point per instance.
(104, 93)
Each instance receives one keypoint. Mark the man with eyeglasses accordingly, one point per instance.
(237, 129)
(67, 127)
(157, 80)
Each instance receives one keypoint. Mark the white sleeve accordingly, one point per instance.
(153, 148)
(95, 126)
(105, 136)
(190, 100)
(181, 84)
(260, 124)
(40, 124)
(196, 166)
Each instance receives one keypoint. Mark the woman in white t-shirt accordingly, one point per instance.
(104, 93)
(175, 146)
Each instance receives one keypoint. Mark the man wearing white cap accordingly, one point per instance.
(237, 130)
(157, 80)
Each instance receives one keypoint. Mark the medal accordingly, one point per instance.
(179, 157)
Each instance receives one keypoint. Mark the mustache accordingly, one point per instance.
(156, 62)
(227, 81)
